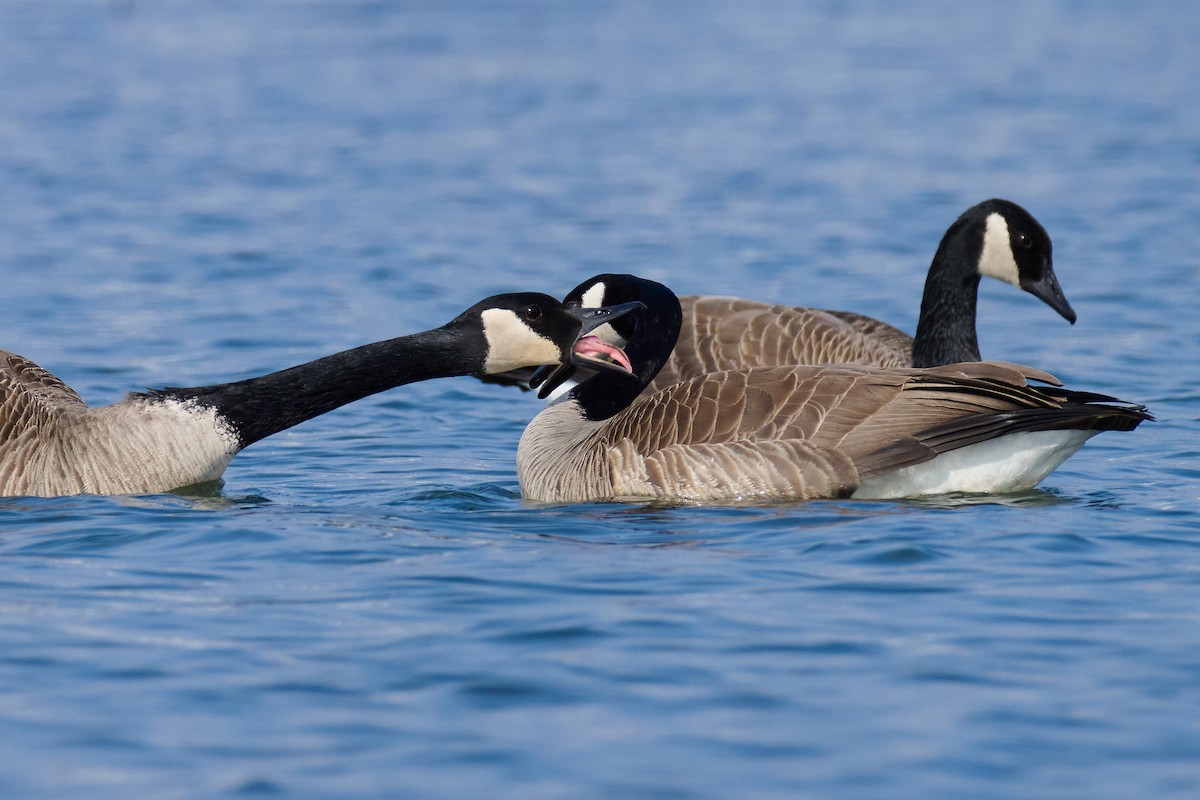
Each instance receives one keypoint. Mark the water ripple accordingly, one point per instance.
(365, 607)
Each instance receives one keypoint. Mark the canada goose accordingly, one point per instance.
(996, 238)
(794, 432)
(52, 443)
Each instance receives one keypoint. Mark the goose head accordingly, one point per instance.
(527, 329)
(624, 353)
(1012, 247)
(996, 238)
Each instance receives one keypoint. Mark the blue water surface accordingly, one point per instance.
(197, 192)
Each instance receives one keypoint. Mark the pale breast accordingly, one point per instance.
(126, 448)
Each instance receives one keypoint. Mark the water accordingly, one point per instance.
(201, 192)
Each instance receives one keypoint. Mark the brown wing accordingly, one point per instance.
(29, 396)
(801, 431)
(723, 333)
(887, 338)
(766, 432)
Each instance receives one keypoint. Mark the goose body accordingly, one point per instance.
(996, 238)
(720, 333)
(799, 432)
(52, 443)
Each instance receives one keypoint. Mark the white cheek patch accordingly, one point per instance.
(594, 296)
(996, 260)
(512, 344)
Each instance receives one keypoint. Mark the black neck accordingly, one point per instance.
(260, 407)
(946, 330)
(605, 394)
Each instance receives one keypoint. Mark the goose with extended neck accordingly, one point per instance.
(52, 443)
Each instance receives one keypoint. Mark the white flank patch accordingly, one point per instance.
(512, 344)
(996, 260)
(1008, 464)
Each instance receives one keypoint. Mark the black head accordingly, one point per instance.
(1013, 247)
(647, 336)
(526, 329)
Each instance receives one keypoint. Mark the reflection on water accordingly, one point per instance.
(1029, 498)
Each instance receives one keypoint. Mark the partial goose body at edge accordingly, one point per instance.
(52, 443)
(160, 446)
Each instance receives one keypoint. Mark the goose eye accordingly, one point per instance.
(1023, 241)
(532, 311)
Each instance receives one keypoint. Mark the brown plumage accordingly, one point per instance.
(720, 333)
(799, 432)
(30, 394)
(996, 238)
(794, 432)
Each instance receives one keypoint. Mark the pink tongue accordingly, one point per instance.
(593, 345)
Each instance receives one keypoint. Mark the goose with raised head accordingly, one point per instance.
(792, 432)
(996, 238)
(52, 443)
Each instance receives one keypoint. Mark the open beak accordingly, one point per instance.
(595, 353)
(593, 318)
(1049, 292)
(590, 352)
